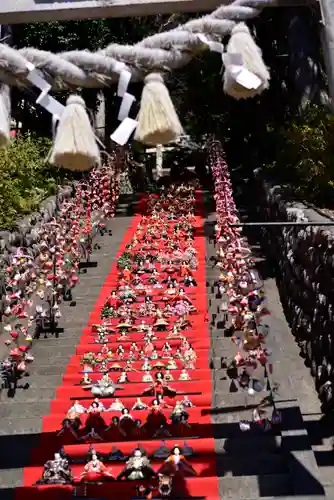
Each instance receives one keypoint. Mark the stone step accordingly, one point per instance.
(58, 352)
(256, 464)
(38, 408)
(46, 370)
(37, 382)
(11, 479)
(55, 344)
(246, 487)
(247, 444)
(27, 396)
(21, 426)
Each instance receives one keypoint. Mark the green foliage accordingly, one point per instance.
(295, 148)
(25, 177)
(304, 156)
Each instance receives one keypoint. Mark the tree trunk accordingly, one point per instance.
(305, 64)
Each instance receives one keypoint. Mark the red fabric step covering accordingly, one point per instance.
(204, 462)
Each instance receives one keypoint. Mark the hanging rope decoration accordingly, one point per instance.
(245, 75)
(158, 122)
(75, 143)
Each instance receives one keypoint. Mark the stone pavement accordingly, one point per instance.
(296, 464)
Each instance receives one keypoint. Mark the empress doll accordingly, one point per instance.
(139, 405)
(159, 386)
(126, 423)
(70, 427)
(95, 471)
(177, 465)
(155, 418)
(56, 471)
(137, 467)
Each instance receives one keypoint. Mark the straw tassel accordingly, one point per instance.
(158, 122)
(75, 146)
(246, 74)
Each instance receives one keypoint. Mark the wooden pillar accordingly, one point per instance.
(327, 35)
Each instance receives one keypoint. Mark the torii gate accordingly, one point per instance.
(30, 11)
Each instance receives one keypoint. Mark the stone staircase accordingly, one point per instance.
(298, 463)
(253, 465)
(21, 417)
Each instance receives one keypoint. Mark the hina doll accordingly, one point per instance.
(123, 337)
(146, 366)
(126, 274)
(143, 326)
(168, 376)
(182, 297)
(162, 451)
(86, 380)
(70, 428)
(117, 405)
(169, 282)
(126, 423)
(113, 301)
(184, 375)
(148, 349)
(155, 354)
(138, 467)
(159, 386)
(141, 268)
(95, 421)
(96, 406)
(120, 352)
(134, 348)
(170, 269)
(176, 465)
(147, 377)
(178, 412)
(187, 403)
(77, 408)
(148, 308)
(185, 270)
(189, 282)
(123, 378)
(168, 310)
(174, 333)
(113, 432)
(139, 405)
(95, 471)
(92, 436)
(129, 365)
(155, 419)
(104, 387)
(171, 365)
(101, 337)
(161, 325)
(166, 351)
(56, 471)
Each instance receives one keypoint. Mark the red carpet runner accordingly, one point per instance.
(198, 439)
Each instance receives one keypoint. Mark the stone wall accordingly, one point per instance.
(26, 232)
(304, 257)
